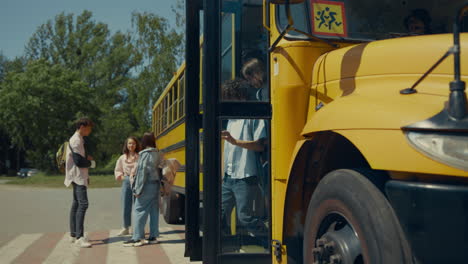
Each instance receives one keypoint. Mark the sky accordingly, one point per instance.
(19, 19)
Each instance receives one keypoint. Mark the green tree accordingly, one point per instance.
(159, 46)
(38, 107)
(3, 61)
(105, 62)
(16, 65)
(74, 66)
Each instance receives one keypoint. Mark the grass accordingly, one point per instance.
(56, 181)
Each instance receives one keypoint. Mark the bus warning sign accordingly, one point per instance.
(328, 18)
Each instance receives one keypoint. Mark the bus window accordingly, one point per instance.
(159, 117)
(175, 101)
(165, 112)
(181, 96)
(227, 62)
(359, 20)
(155, 122)
(300, 18)
(244, 44)
(171, 106)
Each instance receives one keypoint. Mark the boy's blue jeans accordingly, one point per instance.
(239, 193)
(127, 201)
(146, 204)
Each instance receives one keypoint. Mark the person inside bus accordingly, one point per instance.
(244, 139)
(418, 22)
(253, 71)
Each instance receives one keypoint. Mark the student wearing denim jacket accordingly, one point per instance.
(146, 191)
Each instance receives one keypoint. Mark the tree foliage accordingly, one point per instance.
(75, 66)
(159, 47)
(104, 61)
(37, 106)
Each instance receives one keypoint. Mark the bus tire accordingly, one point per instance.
(173, 208)
(350, 221)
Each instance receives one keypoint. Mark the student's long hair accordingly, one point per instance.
(126, 151)
(148, 141)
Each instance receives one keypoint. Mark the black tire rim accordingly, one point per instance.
(337, 242)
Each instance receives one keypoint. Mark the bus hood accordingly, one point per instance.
(358, 87)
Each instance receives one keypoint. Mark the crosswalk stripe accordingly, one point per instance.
(174, 250)
(15, 247)
(38, 251)
(96, 254)
(64, 252)
(107, 247)
(117, 253)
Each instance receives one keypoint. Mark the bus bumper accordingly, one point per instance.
(434, 218)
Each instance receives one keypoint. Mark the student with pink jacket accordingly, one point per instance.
(125, 171)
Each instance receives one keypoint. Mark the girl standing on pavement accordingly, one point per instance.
(125, 171)
(146, 191)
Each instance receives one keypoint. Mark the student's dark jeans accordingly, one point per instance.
(78, 210)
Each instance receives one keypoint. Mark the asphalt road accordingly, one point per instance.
(26, 210)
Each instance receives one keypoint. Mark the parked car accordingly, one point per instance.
(26, 172)
(32, 172)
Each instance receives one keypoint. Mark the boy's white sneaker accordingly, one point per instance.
(83, 242)
(123, 232)
(72, 239)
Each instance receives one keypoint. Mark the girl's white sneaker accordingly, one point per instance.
(123, 232)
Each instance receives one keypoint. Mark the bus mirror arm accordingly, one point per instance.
(281, 35)
(457, 100)
(288, 27)
(454, 117)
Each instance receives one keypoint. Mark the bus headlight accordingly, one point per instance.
(449, 148)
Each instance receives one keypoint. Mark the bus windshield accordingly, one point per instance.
(365, 20)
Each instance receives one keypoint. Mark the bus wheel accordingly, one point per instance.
(172, 208)
(349, 221)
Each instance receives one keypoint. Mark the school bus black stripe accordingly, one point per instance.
(175, 146)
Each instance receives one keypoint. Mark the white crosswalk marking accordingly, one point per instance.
(64, 252)
(13, 249)
(117, 253)
(174, 251)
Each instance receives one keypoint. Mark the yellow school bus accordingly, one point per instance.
(365, 131)
(169, 129)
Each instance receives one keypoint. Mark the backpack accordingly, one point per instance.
(168, 173)
(61, 157)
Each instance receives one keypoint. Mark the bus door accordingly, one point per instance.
(236, 134)
(230, 18)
